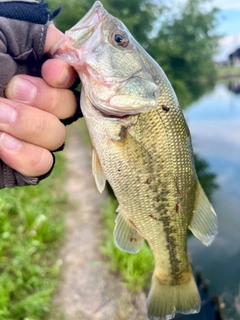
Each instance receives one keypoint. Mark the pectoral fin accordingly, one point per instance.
(98, 172)
(204, 220)
(125, 236)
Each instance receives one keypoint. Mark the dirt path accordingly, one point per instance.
(87, 289)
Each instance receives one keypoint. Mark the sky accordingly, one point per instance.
(229, 25)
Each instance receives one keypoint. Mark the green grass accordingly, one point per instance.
(228, 72)
(31, 230)
(135, 269)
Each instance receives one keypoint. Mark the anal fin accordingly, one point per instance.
(126, 236)
(204, 221)
(98, 172)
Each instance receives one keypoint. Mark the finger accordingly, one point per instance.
(29, 160)
(31, 124)
(57, 73)
(37, 93)
(53, 35)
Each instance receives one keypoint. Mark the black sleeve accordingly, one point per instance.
(23, 28)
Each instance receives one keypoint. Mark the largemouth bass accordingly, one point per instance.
(142, 146)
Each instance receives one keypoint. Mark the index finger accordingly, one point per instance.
(57, 73)
(53, 36)
(37, 93)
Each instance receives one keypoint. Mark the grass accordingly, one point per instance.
(135, 269)
(228, 71)
(31, 230)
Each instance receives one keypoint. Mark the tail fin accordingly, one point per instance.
(165, 300)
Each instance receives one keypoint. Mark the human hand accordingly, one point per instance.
(29, 119)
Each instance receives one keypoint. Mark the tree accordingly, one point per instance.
(137, 15)
(184, 47)
(183, 42)
(72, 11)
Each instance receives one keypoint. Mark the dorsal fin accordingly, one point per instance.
(204, 221)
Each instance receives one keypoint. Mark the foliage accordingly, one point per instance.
(182, 41)
(72, 11)
(135, 269)
(184, 47)
(31, 226)
(137, 15)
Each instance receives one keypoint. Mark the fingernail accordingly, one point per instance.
(23, 90)
(9, 142)
(7, 113)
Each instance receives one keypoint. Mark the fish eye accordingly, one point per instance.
(120, 39)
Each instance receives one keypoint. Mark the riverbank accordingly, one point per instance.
(227, 72)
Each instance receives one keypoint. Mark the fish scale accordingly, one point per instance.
(142, 146)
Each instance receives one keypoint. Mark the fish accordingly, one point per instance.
(142, 147)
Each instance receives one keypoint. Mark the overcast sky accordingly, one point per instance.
(229, 18)
(227, 4)
(229, 25)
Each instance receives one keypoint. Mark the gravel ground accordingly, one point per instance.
(87, 289)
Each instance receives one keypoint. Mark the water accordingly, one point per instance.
(214, 122)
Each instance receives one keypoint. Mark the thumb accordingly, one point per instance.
(53, 35)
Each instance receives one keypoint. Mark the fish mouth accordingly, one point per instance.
(79, 35)
(113, 116)
(84, 29)
(93, 16)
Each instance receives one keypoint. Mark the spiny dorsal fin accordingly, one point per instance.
(204, 220)
(98, 172)
(125, 236)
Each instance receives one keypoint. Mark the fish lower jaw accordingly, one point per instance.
(113, 115)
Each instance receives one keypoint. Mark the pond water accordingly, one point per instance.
(214, 122)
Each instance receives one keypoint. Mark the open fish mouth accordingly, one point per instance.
(93, 16)
(79, 33)
(84, 29)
